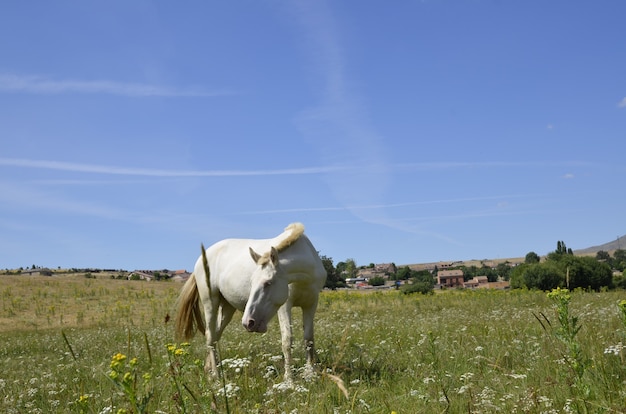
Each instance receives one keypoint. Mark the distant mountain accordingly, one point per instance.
(619, 243)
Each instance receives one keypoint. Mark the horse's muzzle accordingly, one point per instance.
(252, 325)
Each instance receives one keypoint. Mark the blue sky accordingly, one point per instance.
(131, 132)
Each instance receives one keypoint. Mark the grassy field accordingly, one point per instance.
(71, 344)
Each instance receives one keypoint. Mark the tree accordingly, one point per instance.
(542, 276)
(333, 279)
(376, 281)
(347, 269)
(404, 273)
(560, 252)
(619, 259)
(602, 255)
(492, 275)
(586, 272)
(341, 268)
(422, 281)
(504, 270)
(532, 257)
(562, 268)
(351, 268)
(469, 272)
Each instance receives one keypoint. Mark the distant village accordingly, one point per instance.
(446, 274)
(147, 275)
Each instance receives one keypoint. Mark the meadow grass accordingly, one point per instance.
(457, 351)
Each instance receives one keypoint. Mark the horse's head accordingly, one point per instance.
(269, 290)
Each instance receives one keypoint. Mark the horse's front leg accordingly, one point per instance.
(284, 318)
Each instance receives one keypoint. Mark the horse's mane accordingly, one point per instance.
(297, 229)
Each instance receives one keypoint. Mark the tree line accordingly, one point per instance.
(561, 268)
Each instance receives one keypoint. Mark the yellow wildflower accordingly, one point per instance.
(128, 377)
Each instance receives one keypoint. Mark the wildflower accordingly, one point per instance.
(230, 390)
(467, 376)
(560, 295)
(83, 398)
(236, 363)
(119, 357)
(128, 377)
(463, 389)
(117, 360)
(615, 349)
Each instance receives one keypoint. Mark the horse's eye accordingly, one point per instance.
(267, 284)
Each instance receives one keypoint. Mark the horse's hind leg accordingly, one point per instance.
(210, 312)
(225, 315)
(309, 342)
(217, 317)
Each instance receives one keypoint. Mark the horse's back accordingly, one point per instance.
(304, 265)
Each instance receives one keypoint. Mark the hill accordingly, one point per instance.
(610, 247)
(619, 243)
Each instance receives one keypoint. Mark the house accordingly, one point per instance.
(385, 268)
(477, 282)
(180, 276)
(146, 275)
(450, 278)
(40, 271)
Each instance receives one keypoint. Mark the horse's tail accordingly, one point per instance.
(189, 316)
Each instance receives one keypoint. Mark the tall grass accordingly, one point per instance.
(469, 351)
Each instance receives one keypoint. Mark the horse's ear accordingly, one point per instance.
(274, 256)
(255, 255)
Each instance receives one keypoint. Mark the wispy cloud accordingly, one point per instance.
(622, 103)
(344, 169)
(146, 172)
(30, 198)
(394, 205)
(490, 164)
(43, 85)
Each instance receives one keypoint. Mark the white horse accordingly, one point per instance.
(287, 273)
